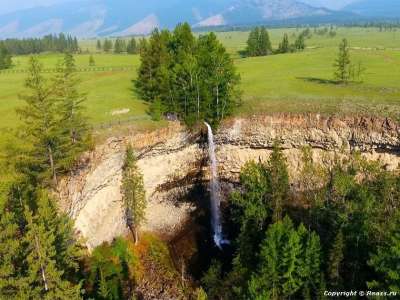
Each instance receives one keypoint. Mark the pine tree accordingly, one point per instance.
(92, 62)
(5, 57)
(46, 275)
(12, 282)
(342, 63)
(107, 45)
(253, 42)
(286, 263)
(41, 126)
(386, 260)
(284, 46)
(119, 46)
(336, 257)
(299, 44)
(265, 47)
(134, 197)
(75, 137)
(278, 181)
(131, 48)
(98, 45)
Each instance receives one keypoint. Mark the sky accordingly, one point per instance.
(13, 5)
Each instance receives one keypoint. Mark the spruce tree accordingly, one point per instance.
(284, 46)
(278, 181)
(47, 269)
(41, 126)
(386, 260)
(131, 48)
(253, 42)
(336, 257)
(92, 62)
(98, 45)
(5, 57)
(265, 47)
(134, 197)
(74, 137)
(342, 63)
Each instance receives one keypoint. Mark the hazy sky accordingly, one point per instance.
(12, 5)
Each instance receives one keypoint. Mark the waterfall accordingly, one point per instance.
(215, 190)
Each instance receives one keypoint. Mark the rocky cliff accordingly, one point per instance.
(171, 159)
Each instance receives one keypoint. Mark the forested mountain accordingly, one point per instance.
(125, 17)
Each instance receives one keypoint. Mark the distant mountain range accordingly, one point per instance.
(376, 8)
(88, 18)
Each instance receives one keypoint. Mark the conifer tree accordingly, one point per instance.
(386, 260)
(92, 62)
(286, 263)
(342, 63)
(74, 136)
(253, 42)
(278, 181)
(107, 45)
(41, 126)
(284, 46)
(98, 45)
(45, 273)
(336, 257)
(299, 44)
(265, 47)
(134, 197)
(5, 57)
(131, 47)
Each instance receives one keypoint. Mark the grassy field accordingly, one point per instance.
(298, 82)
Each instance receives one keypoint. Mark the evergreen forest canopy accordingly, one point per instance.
(341, 233)
(48, 43)
(193, 78)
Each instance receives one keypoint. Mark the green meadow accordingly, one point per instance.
(297, 82)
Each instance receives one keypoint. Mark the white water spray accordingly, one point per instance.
(215, 190)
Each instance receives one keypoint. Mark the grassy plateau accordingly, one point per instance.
(296, 82)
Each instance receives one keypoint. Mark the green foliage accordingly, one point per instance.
(386, 260)
(119, 46)
(212, 280)
(92, 62)
(107, 45)
(343, 63)
(132, 47)
(194, 78)
(99, 47)
(49, 43)
(5, 57)
(336, 257)
(258, 42)
(53, 122)
(289, 262)
(134, 197)
(111, 271)
(284, 46)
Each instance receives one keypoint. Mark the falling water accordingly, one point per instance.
(215, 192)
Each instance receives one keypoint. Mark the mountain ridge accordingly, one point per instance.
(90, 18)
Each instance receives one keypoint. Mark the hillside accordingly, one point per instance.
(374, 8)
(88, 18)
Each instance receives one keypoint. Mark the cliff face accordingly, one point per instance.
(171, 159)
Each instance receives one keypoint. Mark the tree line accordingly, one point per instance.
(192, 78)
(119, 46)
(48, 43)
(342, 234)
(259, 43)
(5, 57)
